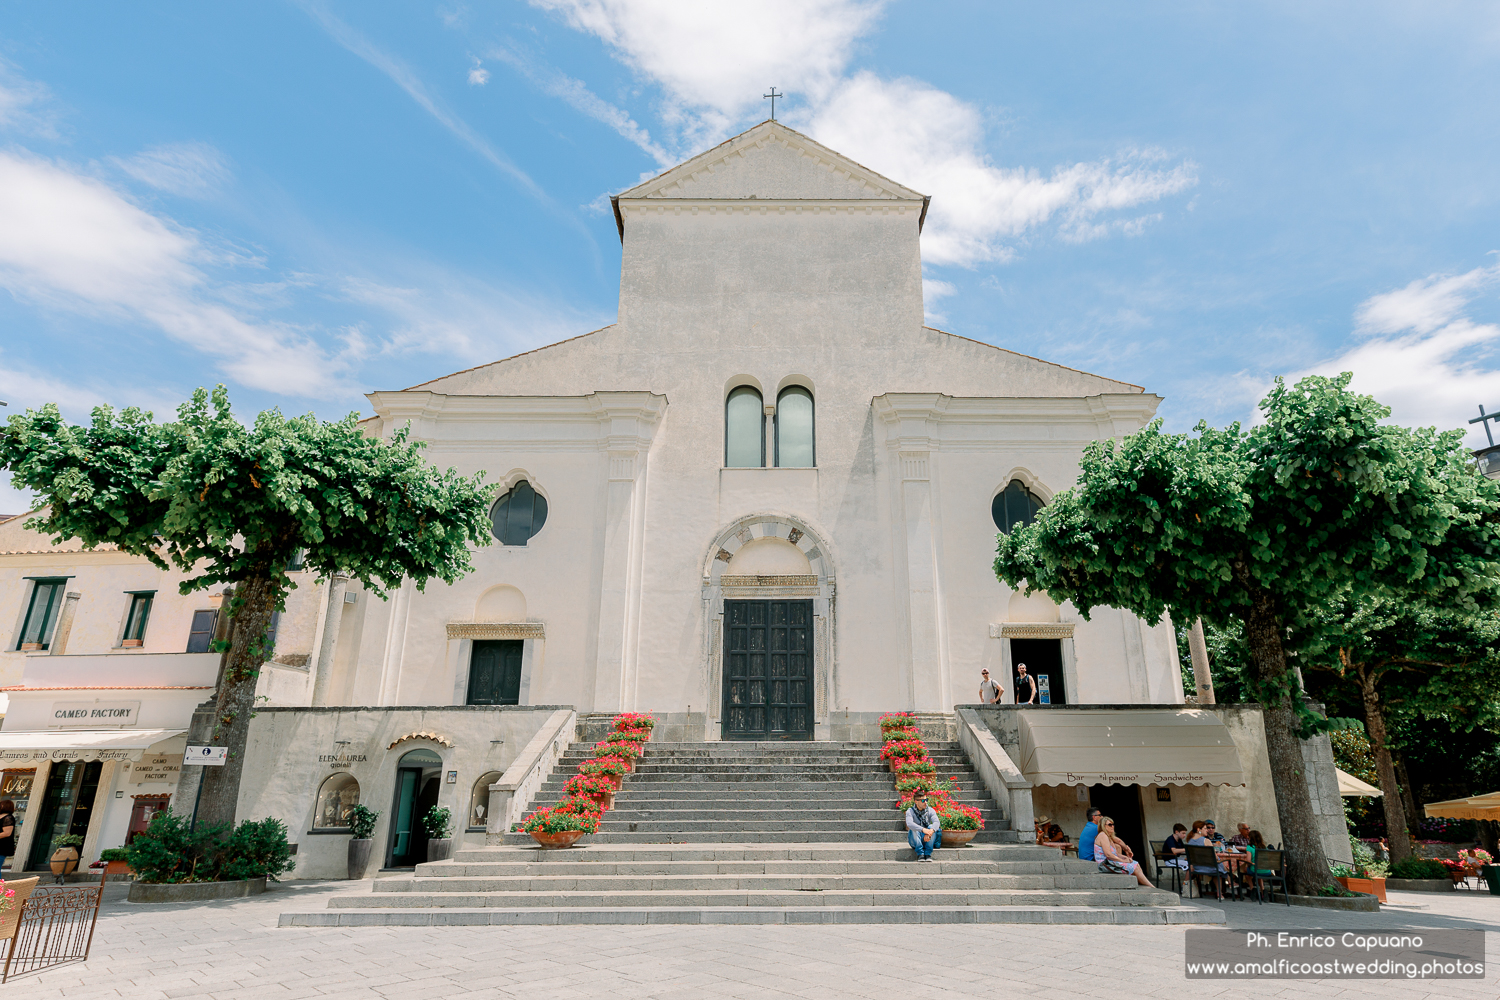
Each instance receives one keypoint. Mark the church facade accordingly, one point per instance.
(763, 503)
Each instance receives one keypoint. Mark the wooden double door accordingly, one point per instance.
(768, 670)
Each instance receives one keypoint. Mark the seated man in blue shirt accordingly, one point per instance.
(1089, 835)
(924, 831)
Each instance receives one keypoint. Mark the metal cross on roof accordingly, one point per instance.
(772, 95)
(1485, 418)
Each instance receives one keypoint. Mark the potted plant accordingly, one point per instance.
(439, 825)
(612, 768)
(913, 765)
(597, 787)
(961, 823)
(634, 722)
(898, 720)
(557, 827)
(628, 752)
(115, 862)
(361, 826)
(889, 735)
(64, 860)
(903, 749)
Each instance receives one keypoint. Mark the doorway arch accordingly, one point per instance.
(418, 781)
(801, 570)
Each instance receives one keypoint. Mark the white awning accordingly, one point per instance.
(1128, 747)
(21, 748)
(1351, 787)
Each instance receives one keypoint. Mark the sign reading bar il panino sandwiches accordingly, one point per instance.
(95, 714)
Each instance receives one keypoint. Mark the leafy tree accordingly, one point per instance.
(230, 504)
(1261, 527)
(1412, 659)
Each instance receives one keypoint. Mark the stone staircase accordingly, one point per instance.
(757, 833)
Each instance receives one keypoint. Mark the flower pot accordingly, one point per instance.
(555, 841)
(629, 766)
(957, 838)
(116, 867)
(439, 849)
(359, 856)
(1491, 874)
(64, 860)
(606, 800)
(616, 779)
(1366, 885)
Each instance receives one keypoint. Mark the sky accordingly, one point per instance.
(309, 201)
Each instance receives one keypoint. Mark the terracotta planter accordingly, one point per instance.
(629, 767)
(116, 867)
(616, 779)
(606, 800)
(556, 841)
(64, 860)
(1374, 886)
(957, 838)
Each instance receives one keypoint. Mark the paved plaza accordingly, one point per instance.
(233, 949)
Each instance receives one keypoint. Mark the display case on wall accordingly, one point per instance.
(338, 794)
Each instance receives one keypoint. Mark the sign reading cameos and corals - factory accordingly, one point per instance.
(95, 714)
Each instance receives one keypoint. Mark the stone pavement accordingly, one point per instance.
(233, 948)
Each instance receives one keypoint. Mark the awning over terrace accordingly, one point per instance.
(1128, 747)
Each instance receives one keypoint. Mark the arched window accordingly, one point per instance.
(794, 428)
(479, 802)
(338, 794)
(1014, 506)
(744, 429)
(519, 514)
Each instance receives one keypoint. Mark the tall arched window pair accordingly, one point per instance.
(745, 429)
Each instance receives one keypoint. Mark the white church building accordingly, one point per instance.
(764, 501)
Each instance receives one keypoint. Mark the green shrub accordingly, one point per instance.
(113, 854)
(1418, 868)
(362, 821)
(438, 822)
(68, 840)
(168, 851)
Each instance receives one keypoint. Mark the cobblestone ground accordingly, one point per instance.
(233, 949)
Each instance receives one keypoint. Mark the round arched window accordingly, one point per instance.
(479, 802)
(744, 429)
(1014, 506)
(338, 794)
(518, 515)
(794, 428)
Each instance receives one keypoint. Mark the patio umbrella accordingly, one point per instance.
(1351, 787)
(1485, 806)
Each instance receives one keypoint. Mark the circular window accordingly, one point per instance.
(1014, 506)
(338, 794)
(518, 515)
(479, 802)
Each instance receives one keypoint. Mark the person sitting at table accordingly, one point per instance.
(1212, 835)
(1108, 856)
(1202, 837)
(1175, 847)
(1049, 834)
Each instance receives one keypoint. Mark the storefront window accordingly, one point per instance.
(479, 802)
(339, 794)
(16, 786)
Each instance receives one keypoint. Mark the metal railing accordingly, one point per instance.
(56, 927)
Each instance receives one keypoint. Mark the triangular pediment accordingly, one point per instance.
(772, 162)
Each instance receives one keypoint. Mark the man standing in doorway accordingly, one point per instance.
(989, 691)
(1025, 686)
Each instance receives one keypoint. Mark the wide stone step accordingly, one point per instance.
(910, 877)
(454, 870)
(847, 852)
(757, 837)
(613, 822)
(499, 917)
(769, 897)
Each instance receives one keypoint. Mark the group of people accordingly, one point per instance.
(1026, 689)
(1235, 855)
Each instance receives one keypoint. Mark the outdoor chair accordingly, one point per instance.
(1203, 863)
(1164, 862)
(1270, 866)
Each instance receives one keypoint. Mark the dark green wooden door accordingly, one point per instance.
(768, 670)
(495, 672)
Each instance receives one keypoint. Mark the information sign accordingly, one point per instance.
(213, 756)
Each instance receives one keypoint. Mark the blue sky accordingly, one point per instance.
(310, 201)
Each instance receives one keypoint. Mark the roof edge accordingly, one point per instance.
(1054, 364)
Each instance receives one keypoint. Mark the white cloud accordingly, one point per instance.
(70, 241)
(1422, 356)
(930, 140)
(576, 94)
(192, 169)
(24, 104)
(933, 290)
(478, 76)
(715, 60)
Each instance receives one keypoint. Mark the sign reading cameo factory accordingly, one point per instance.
(95, 714)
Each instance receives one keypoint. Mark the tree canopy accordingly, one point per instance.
(1262, 527)
(230, 504)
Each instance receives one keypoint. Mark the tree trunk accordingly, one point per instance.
(1396, 837)
(254, 600)
(1408, 795)
(1308, 868)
